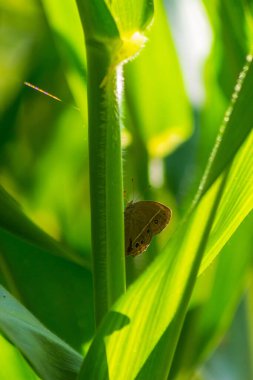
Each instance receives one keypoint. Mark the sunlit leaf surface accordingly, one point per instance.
(199, 268)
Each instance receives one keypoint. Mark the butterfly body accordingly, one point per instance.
(143, 220)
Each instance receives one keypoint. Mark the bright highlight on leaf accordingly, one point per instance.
(122, 51)
(162, 314)
(172, 276)
(131, 45)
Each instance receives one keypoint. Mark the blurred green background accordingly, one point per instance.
(175, 95)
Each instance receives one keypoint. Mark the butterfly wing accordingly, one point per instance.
(136, 242)
(143, 220)
(159, 215)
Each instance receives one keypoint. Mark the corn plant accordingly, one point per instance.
(120, 126)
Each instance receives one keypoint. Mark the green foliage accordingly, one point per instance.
(75, 307)
(46, 352)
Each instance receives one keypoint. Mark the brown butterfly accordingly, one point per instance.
(143, 220)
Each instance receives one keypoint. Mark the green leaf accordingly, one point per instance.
(98, 23)
(236, 363)
(214, 303)
(13, 220)
(223, 67)
(111, 19)
(154, 299)
(163, 121)
(38, 278)
(51, 357)
(156, 303)
(118, 25)
(66, 25)
(239, 114)
(131, 16)
(237, 202)
(230, 36)
(13, 364)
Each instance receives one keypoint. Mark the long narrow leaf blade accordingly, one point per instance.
(123, 344)
(13, 220)
(51, 357)
(131, 332)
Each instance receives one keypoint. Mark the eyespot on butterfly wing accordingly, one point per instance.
(143, 220)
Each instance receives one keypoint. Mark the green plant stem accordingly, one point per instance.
(106, 191)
